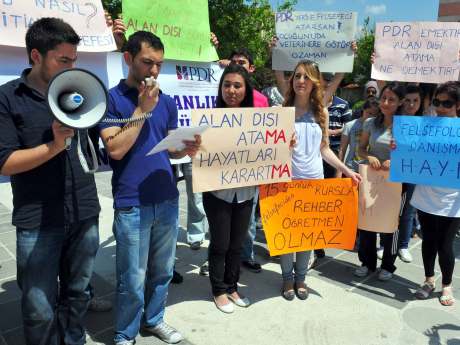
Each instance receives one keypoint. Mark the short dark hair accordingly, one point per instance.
(47, 33)
(248, 101)
(243, 52)
(134, 44)
(451, 88)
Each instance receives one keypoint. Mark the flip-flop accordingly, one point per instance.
(424, 291)
(448, 299)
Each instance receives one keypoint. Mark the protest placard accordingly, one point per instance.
(417, 52)
(243, 147)
(309, 214)
(85, 16)
(182, 25)
(379, 201)
(323, 37)
(427, 151)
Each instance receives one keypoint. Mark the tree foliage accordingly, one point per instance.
(362, 64)
(248, 24)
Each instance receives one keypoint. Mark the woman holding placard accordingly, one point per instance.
(306, 94)
(439, 212)
(229, 210)
(374, 147)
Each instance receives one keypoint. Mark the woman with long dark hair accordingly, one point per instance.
(374, 147)
(229, 210)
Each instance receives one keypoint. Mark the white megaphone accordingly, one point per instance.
(78, 99)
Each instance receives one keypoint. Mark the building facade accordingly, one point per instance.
(449, 11)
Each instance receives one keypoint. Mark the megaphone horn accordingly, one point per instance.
(78, 99)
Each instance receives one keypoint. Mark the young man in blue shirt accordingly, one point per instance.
(144, 191)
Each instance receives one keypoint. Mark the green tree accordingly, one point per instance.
(248, 24)
(362, 64)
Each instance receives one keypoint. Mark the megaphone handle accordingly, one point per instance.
(82, 158)
(68, 142)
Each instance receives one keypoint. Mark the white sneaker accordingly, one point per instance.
(165, 332)
(384, 275)
(405, 255)
(123, 342)
(361, 271)
(380, 253)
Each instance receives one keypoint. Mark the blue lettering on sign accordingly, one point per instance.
(63, 6)
(92, 41)
(427, 151)
(396, 30)
(284, 16)
(195, 73)
(186, 102)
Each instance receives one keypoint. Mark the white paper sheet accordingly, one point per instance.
(175, 139)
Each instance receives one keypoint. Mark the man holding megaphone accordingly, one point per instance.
(56, 207)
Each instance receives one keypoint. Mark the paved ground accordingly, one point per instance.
(341, 309)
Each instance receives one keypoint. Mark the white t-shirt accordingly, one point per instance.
(307, 162)
(439, 201)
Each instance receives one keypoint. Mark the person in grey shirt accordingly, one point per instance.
(349, 143)
(375, 148)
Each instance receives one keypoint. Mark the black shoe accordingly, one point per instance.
(288, 291)
(177, 278)
(196, 245)
(301, 294)
(320, 253)
(253, 266)
(204, 269)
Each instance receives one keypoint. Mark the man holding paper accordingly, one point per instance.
(144, 191)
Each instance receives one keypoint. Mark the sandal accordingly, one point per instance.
(425, 291)
(301, 290)
(288, 290)
(448, 298)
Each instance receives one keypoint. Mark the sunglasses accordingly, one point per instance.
(445, 104)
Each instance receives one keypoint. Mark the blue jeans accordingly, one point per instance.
(196, 218)
(406, 220)
(297, 271)
(146, 239)
(53, 315)
(247, 252)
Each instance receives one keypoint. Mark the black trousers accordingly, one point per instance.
(367, 251)
(329, 170)
(228, 228)
(438, 238)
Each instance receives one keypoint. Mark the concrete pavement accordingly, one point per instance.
(341, 308)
